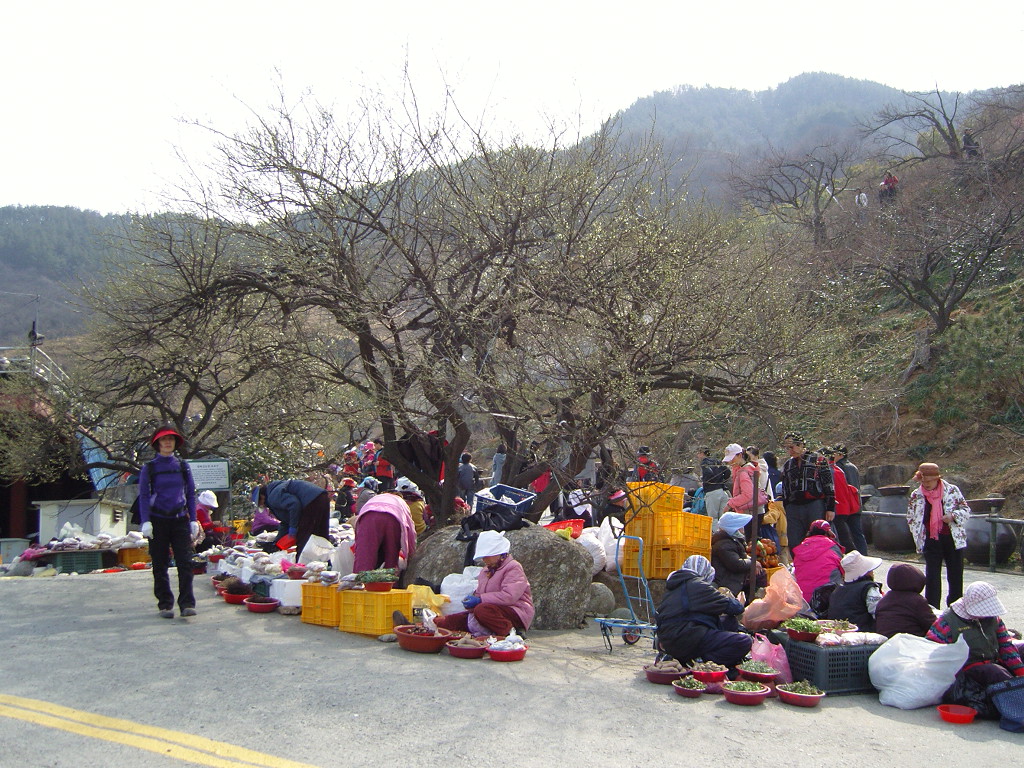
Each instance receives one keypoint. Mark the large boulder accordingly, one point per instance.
(602, 601)
(559, 571)
(889, 474)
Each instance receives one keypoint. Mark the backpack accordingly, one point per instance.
(698, 507)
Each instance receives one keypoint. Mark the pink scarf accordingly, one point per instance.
(934, 498)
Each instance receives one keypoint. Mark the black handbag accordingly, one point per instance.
(1008, 697)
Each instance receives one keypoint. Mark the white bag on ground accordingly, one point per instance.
(911, 672)
(589, 541)
(317, 548)
(343, 558)
(459, 586)
(606, 535)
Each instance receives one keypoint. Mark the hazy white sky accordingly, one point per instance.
(94, 93)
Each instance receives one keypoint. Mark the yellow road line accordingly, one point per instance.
(182, 746)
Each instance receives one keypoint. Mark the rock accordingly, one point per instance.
(889, 474)
(611, 580)
(559, 571)
(21, 568)
(602, 601)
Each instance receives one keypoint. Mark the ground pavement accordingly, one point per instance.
(91, 677)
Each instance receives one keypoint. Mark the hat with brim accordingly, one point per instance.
(208, 499)
(179, 440)
(490, 543)
(856, 565)
(348, 482)
(979, 602)
(927, 471)
(731, 452)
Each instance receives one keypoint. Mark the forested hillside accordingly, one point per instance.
(43, 252)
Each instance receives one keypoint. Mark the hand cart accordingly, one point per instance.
(638, 600)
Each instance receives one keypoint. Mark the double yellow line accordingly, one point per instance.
(181, 746)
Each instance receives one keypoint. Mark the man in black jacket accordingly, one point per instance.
(808, 490)
(716, 480)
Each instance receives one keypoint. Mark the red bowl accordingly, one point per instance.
(690, 693)
(378, 586)
(235, 599)
(799, 699)
(746, 698)
(215, 558)
(658, 677)
(710, 677)
(508, 655)
(758, 677)
(806, 637)
(955, 713)
(463, 652)
(421, 643)
(261, 607)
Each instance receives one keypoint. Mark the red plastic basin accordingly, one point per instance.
(955, 713)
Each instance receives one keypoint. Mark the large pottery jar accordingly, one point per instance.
(892, 534)
(979, 536)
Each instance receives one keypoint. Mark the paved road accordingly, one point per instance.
(90, 677)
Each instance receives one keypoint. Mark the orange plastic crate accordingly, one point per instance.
(369, 613)
(128, 556)
(321, 605)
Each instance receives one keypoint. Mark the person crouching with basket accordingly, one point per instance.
(502, 599)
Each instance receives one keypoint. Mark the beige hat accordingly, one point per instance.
(855, 565)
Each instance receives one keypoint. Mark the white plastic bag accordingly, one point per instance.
(458, 586)
(911, 672)
(589, 541)
(428, 617)
(317, 548)
(606, 534)
(343, 558)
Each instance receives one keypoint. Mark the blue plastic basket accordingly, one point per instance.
(523, 499)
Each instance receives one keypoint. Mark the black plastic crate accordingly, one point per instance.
(837, 670)
(523, 499)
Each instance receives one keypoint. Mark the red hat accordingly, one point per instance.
(163, 432)
(348, 481)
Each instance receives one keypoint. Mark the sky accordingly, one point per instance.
(99, 98)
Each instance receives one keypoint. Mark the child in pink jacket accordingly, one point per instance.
(502, 599)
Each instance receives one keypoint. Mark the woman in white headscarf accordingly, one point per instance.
(694, 619)
(993, 657)
(502, 599)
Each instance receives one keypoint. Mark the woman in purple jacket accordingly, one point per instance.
(502, 599)
(167, 511)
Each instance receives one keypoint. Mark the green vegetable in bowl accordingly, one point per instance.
(798, 624)
(802, 687)
(744, 686)
(758, 667)
(379, 574)
(690, 683)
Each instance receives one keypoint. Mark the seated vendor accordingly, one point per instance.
(729, 556)
(993, 657)
(856, 599)
(502, 599)
(696, 621)
(903, 608)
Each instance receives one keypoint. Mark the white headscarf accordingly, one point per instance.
(701, 566)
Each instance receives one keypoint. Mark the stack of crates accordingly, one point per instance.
(321, 605)
(670, 535)
(369, 613)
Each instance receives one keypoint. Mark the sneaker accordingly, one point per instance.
(398, 618)
(166, 613)
(188, 611)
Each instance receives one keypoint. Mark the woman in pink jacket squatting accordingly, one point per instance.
(502, 599)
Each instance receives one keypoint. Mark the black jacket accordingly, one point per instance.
(849, 602)
(689, 609)
(729, 557)
(714, 476)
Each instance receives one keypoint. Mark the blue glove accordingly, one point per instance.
(471, 602)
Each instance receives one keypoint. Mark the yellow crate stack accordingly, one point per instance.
(321, 605)
(369, 613)
(670, 535)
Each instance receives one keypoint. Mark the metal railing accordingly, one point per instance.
(991, 519)
(31, 359)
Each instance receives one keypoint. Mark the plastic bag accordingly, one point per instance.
(607, 534)
(428, 617)
(782, 600)
(911, 672)
(458, 586)
(589, 541)
(424, 597)
(343, 558)
(762, 649)
(317, 548)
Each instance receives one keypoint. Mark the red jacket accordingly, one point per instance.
(845, 493)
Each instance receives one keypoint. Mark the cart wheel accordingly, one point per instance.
(631, 637)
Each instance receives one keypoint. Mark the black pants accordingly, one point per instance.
(850, 532)
(172, 533)
(937, 552)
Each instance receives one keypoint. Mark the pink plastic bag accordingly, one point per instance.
(782, 600)
(773, 655)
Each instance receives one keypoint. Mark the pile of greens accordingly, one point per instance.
(379, 574)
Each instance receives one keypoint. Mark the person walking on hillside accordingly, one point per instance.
(167, 512)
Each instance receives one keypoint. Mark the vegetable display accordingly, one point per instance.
(802, 688)
(708, 666)
(798, 624)
(744, 686)
(690, 683)
(667, 665)
(378, 574)
(767, 553)
(759, 667)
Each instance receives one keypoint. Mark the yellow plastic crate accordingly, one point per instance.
(659, 512)
(659, 561)
(321, 605)
(369, 613)
(126, 557)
